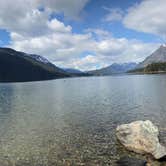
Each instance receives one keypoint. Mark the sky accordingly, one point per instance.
(84, 34)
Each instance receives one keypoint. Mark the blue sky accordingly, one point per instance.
(84, 34)
(92, 18)
(4, 37)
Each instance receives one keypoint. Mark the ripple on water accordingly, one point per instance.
(73, 122)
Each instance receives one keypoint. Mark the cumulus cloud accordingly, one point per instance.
(114, 14)
(61, 44)
(133, 51)
(122, 50)
(148, 17)
(67, 49)
(70, 8)
(24, 16)
(112, 50)
(98, 34)
(32, 31)
(89, 62)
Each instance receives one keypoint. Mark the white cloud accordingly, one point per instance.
(61, 44)
(114, 14)
(23, 16)
(67, 49)
(98, 34)
(123, 50)
(32, 31)
(109, 51)
(12, 12)
(58, 26)
(70, 8)
(148, 17)
(89, 62)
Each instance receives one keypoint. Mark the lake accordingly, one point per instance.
(72, 121)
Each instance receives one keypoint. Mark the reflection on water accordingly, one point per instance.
(73, 121)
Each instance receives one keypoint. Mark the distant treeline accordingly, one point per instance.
(151, 68)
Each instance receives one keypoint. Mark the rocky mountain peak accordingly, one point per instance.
(163, 45)
(157, 56)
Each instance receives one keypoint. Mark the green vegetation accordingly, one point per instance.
(159, 67)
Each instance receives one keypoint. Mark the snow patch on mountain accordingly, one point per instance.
(38, 58)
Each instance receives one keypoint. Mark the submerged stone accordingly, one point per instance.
(129, 161)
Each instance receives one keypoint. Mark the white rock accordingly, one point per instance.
(141, 137)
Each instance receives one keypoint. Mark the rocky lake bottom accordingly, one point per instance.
(73, 121)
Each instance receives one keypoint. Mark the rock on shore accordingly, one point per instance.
(141, 137)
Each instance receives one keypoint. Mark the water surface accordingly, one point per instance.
(73, 121)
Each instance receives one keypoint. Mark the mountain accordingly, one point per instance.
(114, 69)
(153, 68)
(73, 71)
(76, 73)
(158, 56)
(18, 66)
